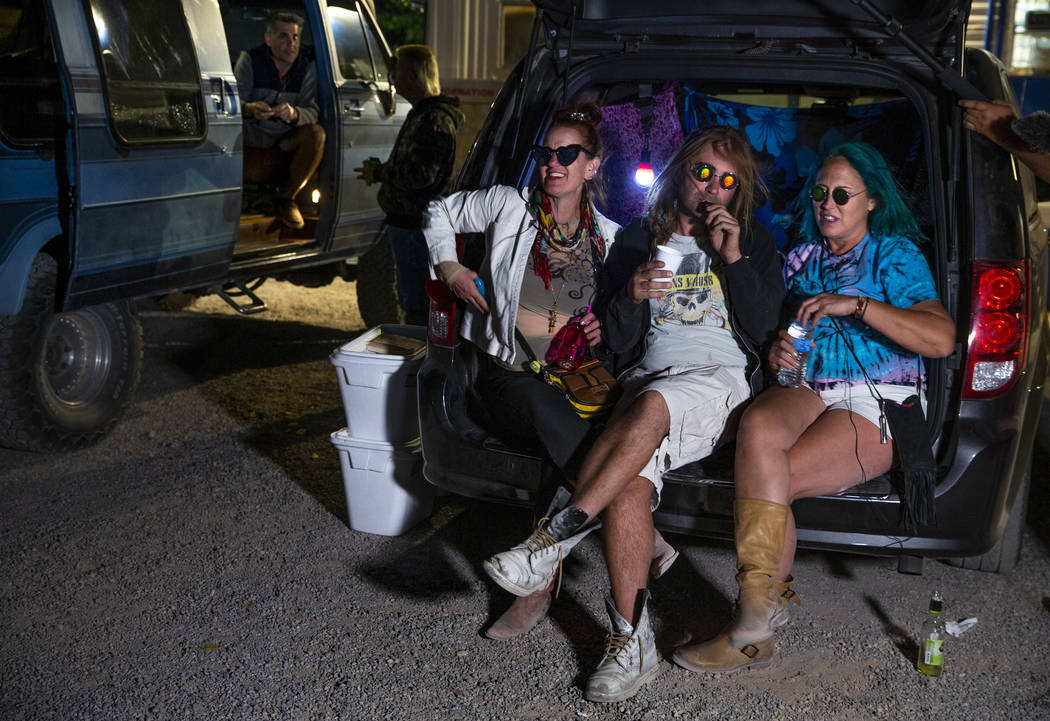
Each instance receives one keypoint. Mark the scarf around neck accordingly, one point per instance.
(549, 236)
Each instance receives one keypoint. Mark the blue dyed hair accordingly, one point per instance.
(890, 217)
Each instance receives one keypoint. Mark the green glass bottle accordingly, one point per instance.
(931, 639)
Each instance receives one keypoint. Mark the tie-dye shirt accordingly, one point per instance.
(891, 270)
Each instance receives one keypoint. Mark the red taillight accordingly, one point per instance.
(996, 333)
(998, 342)
(441, 322)
(999, 288)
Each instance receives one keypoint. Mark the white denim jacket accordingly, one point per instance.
(502, 213)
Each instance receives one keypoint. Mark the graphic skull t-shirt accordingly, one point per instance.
(691, 324)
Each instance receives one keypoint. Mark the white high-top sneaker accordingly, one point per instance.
(532, 564)
(630, 658)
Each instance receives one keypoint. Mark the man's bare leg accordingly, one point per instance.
(627, 533)
(620, 453)
(616, 458)
(631, 658)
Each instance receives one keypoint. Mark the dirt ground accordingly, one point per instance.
(198, 564)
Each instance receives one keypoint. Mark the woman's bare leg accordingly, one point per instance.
(776, 461)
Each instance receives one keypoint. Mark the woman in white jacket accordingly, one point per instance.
(544, 248)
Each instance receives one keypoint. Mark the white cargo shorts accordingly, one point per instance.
(704, 403)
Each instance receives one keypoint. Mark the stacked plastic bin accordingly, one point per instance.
(379, 449)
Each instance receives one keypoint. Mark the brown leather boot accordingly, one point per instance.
(522, 616)
(747, 641)
(786, 595)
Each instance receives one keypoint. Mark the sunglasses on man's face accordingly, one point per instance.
(840, 195)
(704, 173)
(566, 154)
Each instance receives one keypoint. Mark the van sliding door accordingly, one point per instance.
(157, 185)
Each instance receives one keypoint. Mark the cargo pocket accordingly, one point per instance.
(703, 426)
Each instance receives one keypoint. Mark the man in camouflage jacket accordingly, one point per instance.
(418, 170)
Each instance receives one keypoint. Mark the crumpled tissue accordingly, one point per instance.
(958, 628)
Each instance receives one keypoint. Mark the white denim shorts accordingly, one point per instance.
(859, 399)
(704, 402)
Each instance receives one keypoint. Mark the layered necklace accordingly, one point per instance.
(550, 237)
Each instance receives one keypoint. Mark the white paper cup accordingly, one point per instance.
(671, 257)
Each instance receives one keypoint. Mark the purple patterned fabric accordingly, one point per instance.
(622, 133)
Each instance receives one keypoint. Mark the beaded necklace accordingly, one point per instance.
(549, 236)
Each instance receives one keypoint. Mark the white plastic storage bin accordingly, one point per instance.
(379, 389)
(385, 489)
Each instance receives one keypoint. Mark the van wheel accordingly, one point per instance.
(377, 286)
(65, 378)
(1003, 556)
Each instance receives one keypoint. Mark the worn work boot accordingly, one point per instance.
(527, 611)
(288, 212)
(748, 639)
(533, 564)
(630, 657)
(522, 615)
(664, 555)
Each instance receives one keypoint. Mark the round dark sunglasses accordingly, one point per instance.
(704, 173)
(840, 195)
(567, 154)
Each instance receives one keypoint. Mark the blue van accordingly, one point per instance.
(121, 178)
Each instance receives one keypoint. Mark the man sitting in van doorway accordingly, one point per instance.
(283, 143)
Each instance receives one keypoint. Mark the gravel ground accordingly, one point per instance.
(197, 564)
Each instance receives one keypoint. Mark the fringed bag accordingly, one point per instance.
(916, 473)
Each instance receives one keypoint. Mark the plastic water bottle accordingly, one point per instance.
(931, 639)
(802, 341)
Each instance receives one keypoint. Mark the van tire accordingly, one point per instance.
(65, 378)
(377, 286)
(1004, 555)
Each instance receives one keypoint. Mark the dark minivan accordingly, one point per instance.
(796, 76)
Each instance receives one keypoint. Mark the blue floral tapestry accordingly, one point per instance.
(789, 143)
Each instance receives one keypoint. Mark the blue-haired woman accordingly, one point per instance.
(858, 277)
